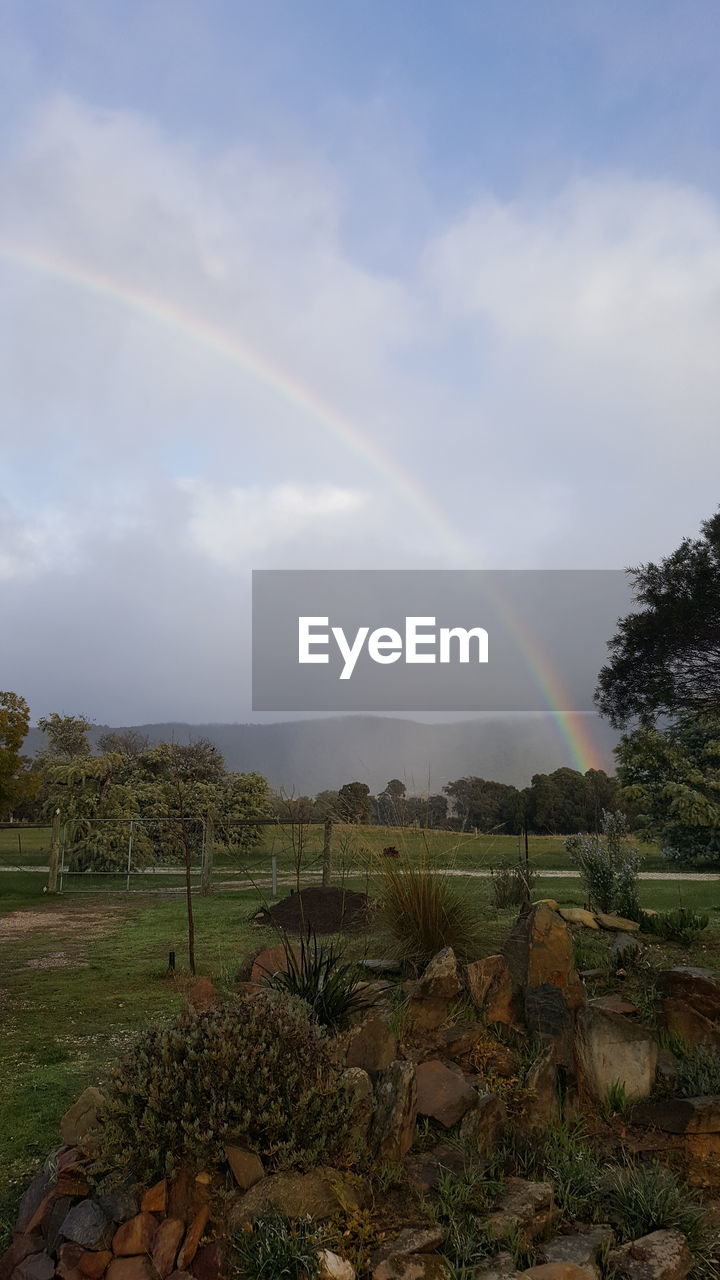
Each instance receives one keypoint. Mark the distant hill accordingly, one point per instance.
(307, 756)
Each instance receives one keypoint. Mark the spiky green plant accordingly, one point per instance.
(333, 989)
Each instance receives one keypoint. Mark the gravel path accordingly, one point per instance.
(540, 872)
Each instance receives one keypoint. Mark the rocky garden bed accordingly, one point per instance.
(517, 1115)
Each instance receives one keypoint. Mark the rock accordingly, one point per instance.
(82, 1117)
(137, 1268)
(667, 1069)
(187, 1193)
(484, 1124)
(137, 1235)
(36, 1266)
(624, 948)
(680, 1115)
(193, 1237)
(155, 1198)
(361, 1099)
(118, 1202)
(612, 1051)
(332, 1267)
(541, 1084)
(209, 1261)
(246, 1167)
(579, 916)
(393, 1124)
(501, 1267)
(441, 979)
(270, 961)
(616, 924)
(54, 1221)
(681, 1019)
(68, 1256)
(386, 964)
(424, 1172)
(34, 1197)
(539, 950)
(584, 1249)
(93, 1264)
(663, 1255)
(318, 1194)
(442, 1093)
(525, 1212)
(413, 1266)
(20, 1248)
(411, 1240)
(614, 1003)
(492, 990)
(547, 1012)
(203, 995)
(167, 1242)
(561, 1271)
(88, 1224)
(697, 987)
(426, 1013)
(372, 1046)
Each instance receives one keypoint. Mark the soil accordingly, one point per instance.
(325, 910)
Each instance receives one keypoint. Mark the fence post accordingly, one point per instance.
(54, 853)
(129, 861)
(327, 853)
(207, 862)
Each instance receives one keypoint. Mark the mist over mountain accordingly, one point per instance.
(307, 756)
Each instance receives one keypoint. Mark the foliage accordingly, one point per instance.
(512, 884)
(67, 736)
(256, 1072)
(459, 1202)
(333, 990)
(424, 911)
(680, 925)
(608, 866)
(485, 805)
(698, 1072)
(643, 1198)
(17, 782)
(617, 1102)
(279, 1248)
(354, 802)
(569, 801)
(564, 1156)
(665, 658)
(672, 777)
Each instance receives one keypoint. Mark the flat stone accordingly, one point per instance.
(483, 1125)
(317, 1194)
(579, 916)
(662, 1255)
(155, 1198)
(425, 1171)
(413, 1266)
(88, 1224)
(372, 1046)
(361, 1099)
(246, 1167)
(613, 1051)
(20, 1247)
(539, 950)
(697, 987)
(137, 1268)
(624, 946)
(681, 1019)
(82, 1117)
(168, 1239)
(330, 1266)
(443, 1094)
(393, 1126)
(34, 1197)
(411, 1240)
(68, 1256)
(614, 1004)
(191, 1243)
(118, 1202)
(616, 924)
(137, 1235)
(541, 1085)
(525, 1211)
(680, 1115)
(386, 964)
(501, 1267)
(582, 1248)
(36, 1266)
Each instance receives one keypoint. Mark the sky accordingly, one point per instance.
(307, 284)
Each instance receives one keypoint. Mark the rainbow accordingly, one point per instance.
(176, 319)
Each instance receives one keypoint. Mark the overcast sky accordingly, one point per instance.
(370, 284)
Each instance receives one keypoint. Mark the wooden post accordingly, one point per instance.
(207, 862)
(327, 853)
(54, 853)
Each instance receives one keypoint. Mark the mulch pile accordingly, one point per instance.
(323, 910)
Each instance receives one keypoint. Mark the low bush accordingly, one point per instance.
(698, 1072)
(643, 1198)
(424, 911)
(608, 867)
(680, 925)
(254, 1071)
(277, 1248)
(332, 989)
(460, 1202)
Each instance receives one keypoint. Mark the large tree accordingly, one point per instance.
(665, 656)
(17, 782)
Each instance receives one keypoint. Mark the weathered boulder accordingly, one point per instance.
(361, 1100)
(34, 1198)
(698, 988)
(680, 1115)
(270, 961)
(441, 978)
(539, 950)
(492, 990)
(663, 1255)
(611, 1051)
(442, 1093)
(483, 1125)
(541, 1084)
(82, 1117)
(36, 1266)
(167, 1243)
(579, 916)
(413, 1266)
(561, 1271)
(135, 1236)
(372, 1046)
(624, 948)
(332, 1267)
(246, 1167)
(424, 1171)
(209, 1261)
(411, 1240)
(683, 1020)
(500, 1267)
(393, 1125)
(21, 1247)
(525, 1212)
(616, 924)
(119, 1200)
(317, 1194)
(88, 1224)
(203, 994)
(582, 1249)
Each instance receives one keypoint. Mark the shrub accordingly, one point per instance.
(644, 1198)
(425, 912)
(459, 1202)
(698, 1072)
(608, 867)
(512, 884)
(278, 1248)
(333, 990)
(680, 925)
(253, 1071)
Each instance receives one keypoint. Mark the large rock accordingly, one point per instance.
(500, 1267)
(579, 916)
(135, 1236)
(613, 1051)
(541, 1085)
(492, 990)
(525, 1212)
(682, 1020)
(36, 1266)
(696, 987)
(35, 1198)
(332, 1267)
(484, 1124)
(411, 1240)
(441, 979)
(372, 1046)
(443, 1094)
(137, 1268)
(539, 950)
(581, 1249)
(361, 1100)
(680, 1115)
(318, 1194)
(88, 1224)
(246, 1167)
(270, 961)
(393, 1125)
(82, 1118)
(663, 1255)
(168, 1239)
(616, 924)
